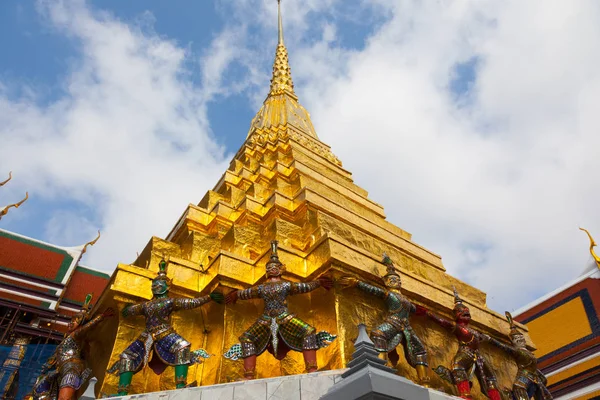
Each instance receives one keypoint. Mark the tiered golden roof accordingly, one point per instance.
(283, 184)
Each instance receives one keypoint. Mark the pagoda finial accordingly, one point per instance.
(281, 81)
(280, 22)
(592, 245)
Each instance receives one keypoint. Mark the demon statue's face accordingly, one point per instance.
(160, 287)
(518, 340)
(274, 269)
(392, 281)
(75, 322)
(462, 313)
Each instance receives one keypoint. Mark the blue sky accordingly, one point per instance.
(39, 55)
(476, 127)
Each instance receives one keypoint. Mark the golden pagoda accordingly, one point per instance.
(284, 184)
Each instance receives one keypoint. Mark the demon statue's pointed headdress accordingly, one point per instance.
(389, 266)
(514, 331)
(274, 267)
(85, 311)
(459, 306)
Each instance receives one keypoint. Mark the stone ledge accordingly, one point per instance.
(312, 386)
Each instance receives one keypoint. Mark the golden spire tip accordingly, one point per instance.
(280, 22)
(282, 75)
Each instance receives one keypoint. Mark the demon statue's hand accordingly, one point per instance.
(109, 312)
(347, 282)
(231, 297)
(326, 282)
(420, 310)
(217, 297)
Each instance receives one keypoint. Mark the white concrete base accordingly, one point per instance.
(294, 387)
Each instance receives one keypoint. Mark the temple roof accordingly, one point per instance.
(590, 273)
(45, 275)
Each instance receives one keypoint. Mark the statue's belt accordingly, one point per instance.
(397, 322)
(472, 353)
(280, 319)
(160, 331)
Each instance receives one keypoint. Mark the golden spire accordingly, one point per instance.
(280, 23)
(6, 181)
(4, 211)
(281, 110)
(592, 245)
(282, 73)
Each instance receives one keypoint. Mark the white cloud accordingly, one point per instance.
(514, 170)
(130, 138)
(498, 182)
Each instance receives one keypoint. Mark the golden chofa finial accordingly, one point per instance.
(281, 81)
(6, 181)
(4, 210)
(592, 245)
(93, 242)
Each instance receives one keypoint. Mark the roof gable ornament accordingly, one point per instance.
(6, 181)
(93, 242)
(592, 245)
(4, 211)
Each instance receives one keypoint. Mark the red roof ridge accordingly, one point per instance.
(73, 251)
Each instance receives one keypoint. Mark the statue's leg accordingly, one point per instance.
(253, 342)
(310, 360)
(309, 350)
(423, 372)
(130, 361)
(249, 356)
(250, 367)
(124, 383)
(461, 364)
(381, 337)
(181, 372)
(66, 393)
(492, 392)
(416, 353)
(183, 358)
(379, 340)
